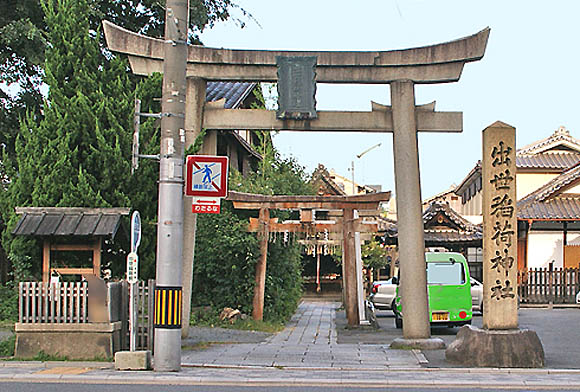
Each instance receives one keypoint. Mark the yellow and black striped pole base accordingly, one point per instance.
(168, 307)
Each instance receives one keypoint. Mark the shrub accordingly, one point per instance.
(8, 304)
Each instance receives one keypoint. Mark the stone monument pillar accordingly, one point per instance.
(500, 264)
(500, 343)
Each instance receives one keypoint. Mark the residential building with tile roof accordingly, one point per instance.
(238, 144)
(548, 201)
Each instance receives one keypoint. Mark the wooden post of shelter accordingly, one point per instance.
(347, 225)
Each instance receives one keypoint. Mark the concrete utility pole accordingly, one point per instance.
(168, 290)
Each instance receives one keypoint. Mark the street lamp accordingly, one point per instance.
(359, 156)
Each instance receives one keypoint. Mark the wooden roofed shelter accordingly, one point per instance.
(348, 225)
(70, 229)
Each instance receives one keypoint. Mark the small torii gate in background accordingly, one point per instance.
(348, 225)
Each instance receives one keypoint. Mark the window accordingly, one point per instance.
(445, 273)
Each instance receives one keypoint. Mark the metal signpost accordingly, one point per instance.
(207, 181)
(133, 277)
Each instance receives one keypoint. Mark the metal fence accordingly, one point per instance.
(145, 295)
(547, 285)
(64, 302)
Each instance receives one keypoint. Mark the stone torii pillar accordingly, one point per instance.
(402, 69)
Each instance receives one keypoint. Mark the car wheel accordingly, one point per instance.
(398, 322)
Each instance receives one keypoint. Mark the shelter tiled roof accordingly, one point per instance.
(73, 221)
(233, 92)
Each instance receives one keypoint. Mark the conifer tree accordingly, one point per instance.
(79, 153)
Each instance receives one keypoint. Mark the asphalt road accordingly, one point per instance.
(73, 387)
(556, 328)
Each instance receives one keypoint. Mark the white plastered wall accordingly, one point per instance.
(527, 183)
(545, 246)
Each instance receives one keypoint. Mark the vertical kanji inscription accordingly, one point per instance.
(500, 227)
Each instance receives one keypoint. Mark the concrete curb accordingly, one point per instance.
(176, 379)
(51, 364)
(420, 357)
(386, 368)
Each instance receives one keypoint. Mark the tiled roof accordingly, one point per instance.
(473, 174)
(320, 174)
(548, 160)
(558, 208)
(435, 232)
(558, 152)
(247, 146)
(433, 237)
(62, 221)
(553, 187)
(443, 208)
(559, 139)
(233, 92)
(548, 202)
(451, 189)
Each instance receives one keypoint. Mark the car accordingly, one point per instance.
(477, 295)
(383, 294)
(578, 298)
(448, 291)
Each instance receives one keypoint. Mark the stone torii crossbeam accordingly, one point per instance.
(402, 69)
(348, 226)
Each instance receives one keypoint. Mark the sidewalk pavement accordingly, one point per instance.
(305, 353)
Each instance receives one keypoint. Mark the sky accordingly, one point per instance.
(529, 76)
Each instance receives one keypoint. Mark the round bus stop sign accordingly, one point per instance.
(135, 231)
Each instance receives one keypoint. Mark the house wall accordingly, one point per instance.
(545, 246)
(527, 183)
(574, 190)
(473, 206)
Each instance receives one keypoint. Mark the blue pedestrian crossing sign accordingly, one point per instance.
(206, 176)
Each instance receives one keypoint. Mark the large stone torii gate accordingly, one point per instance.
(402, 69)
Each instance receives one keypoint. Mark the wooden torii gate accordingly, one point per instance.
(348, 226)
(401, 69)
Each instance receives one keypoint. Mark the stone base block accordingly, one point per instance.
(74, 341)
(420, 344)
(133, 360)
(514, 348)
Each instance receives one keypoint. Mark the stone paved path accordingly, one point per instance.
(310, 341)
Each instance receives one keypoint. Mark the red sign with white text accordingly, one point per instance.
(205, 205)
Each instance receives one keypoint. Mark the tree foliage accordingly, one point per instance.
(226, 255)
(374, 255)
(86, 119)
(77, 154)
